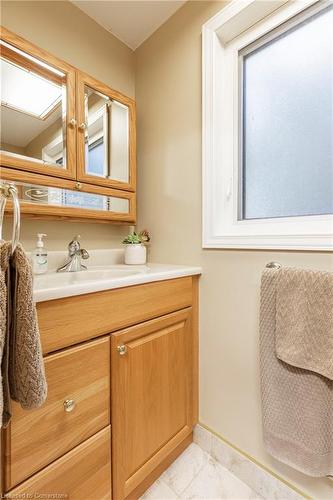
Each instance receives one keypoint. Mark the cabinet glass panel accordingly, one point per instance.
(33, 108)
(46, 195)
(106, 136)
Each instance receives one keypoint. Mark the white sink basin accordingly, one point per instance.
(54, 279)
(53, 285)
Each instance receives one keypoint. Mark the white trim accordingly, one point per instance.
(54, 150)
(219, 45)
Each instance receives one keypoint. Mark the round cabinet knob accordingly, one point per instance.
(122, 349)
(69, 405)
(73, 122)
(82, 126)
(78, 185)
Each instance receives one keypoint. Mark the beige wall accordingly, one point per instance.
(65, 31)
(168, 93)
(13, 149)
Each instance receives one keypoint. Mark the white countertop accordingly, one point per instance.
(54, 285)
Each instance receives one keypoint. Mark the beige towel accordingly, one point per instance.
(23, 364)
(297, 404)
(304, 319)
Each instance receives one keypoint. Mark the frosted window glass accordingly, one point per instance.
(288, 123)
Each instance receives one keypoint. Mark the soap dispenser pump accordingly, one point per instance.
(39, 256)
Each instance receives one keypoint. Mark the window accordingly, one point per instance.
(268, 126)
(96, 157)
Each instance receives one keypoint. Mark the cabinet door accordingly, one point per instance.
(38, 126)
(106, 147)
(152, 388)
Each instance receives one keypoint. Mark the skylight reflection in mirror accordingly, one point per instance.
(33, 107)
(39, 96)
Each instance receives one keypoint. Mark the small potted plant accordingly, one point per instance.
(135, 249)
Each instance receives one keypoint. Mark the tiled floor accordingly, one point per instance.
(196, 475)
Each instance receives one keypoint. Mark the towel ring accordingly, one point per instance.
(8, 190)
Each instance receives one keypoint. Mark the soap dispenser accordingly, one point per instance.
(39, 256)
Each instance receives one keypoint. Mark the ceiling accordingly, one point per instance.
(19, 129)
(130, 21)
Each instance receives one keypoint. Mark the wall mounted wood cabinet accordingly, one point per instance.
(74, 133)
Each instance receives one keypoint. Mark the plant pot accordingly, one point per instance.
(135, 253)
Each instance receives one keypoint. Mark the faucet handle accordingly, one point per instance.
(84, 254)
(74, 245)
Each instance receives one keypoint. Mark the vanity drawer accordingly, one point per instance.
(83, 473)
(37, 437)
(67, 321)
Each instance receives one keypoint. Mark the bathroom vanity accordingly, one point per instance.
(120, 343)
(121, 366)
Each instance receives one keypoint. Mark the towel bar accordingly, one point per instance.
(273, 265)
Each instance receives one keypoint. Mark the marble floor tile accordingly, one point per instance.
(222, 474)
(214, 482)
(159, 491)
(235, 462)
(180, 474)
(197, 476)
(266, 485)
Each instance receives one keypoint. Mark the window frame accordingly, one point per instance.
(237, 26)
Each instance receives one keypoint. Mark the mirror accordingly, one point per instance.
(33, 108)
(106, 136)
(46, 195)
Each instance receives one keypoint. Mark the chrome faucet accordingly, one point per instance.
(75, 254)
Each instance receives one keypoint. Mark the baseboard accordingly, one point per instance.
(258, 477)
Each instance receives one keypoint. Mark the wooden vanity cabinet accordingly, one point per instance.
(134, 350)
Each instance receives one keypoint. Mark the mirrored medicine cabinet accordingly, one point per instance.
(63, 129)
